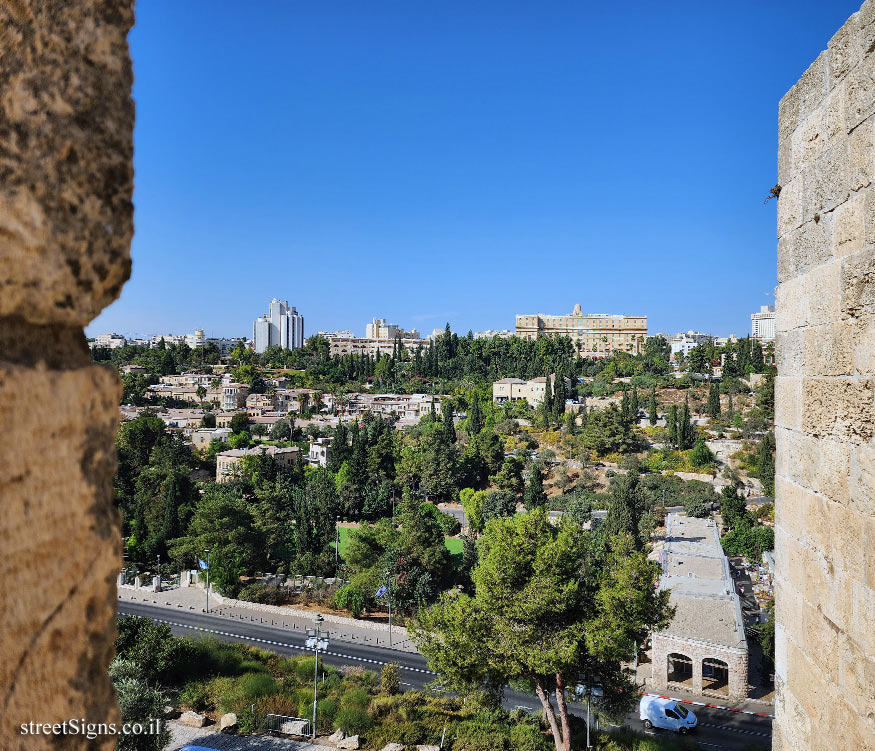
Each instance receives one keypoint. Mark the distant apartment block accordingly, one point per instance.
(408, 407)
(281, 326)
(379, 329)
(228, 462)
(596, 335)
(234, 396)
(686, 342)
(704, 649)
(762, 324)
(345, 334)
(512, 389)
(355, 346)
(112, 341)
(491, 333)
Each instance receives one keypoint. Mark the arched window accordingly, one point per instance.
(680, 669)
(715, 676)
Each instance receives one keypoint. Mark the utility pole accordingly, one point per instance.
(316, 640)
(390, 607)
(208, 580)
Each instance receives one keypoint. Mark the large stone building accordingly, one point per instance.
(597, 334)
(825, 400)
(704, 649)
(281, 326)
(533, 391)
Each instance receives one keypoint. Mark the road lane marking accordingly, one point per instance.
(281, 644)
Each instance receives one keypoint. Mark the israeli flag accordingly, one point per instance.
(381, 591)
(202, 564)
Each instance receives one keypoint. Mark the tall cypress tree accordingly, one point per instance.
(475, 418)
(547, 405)
(686, 432)
(533, 494)
(714, 401)
(653, 408)
(672, 425)
(730, 411)
(448, 430)
(635, 405)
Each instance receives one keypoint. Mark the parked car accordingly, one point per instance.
(657, 712)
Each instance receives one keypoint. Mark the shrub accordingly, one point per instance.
(406, 733)
(263, 594)
(355, 697)
(390, 678)
(353, 721)
(351, 598)
(194, 695)
(255, 685)
(305, 669)
(252, 666)
(473, 735)
(527, 738)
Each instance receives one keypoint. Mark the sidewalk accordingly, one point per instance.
(342, 629)
(743, 706)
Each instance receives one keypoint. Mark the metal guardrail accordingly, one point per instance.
(297, 726)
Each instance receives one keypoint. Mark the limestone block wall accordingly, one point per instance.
(825, 399)
(736, 661)
(66, 221)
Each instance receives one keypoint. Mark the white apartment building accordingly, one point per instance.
(281, 326)
(596, 334)
(356, 346)
(379, 329)
(401, 406)
(228, 462)
(112, 341)
(762, 324)
(319, 450)
(685, 342)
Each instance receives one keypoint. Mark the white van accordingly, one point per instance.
(657, 712)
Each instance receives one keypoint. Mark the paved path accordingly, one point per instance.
(210, 737)
(193, 599)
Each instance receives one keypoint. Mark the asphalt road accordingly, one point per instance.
(719, 729)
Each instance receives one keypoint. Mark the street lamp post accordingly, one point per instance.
(336, 545)
(316, 640)
(208, 580)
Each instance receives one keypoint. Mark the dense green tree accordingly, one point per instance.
(714, 401)
(766, 464)
(652, 409)
(701, 455)
(534, 617)
(671, 425)
(626, 505)
(475, 415)
(733, 508)
(534, 495)
(606, 432)
(239, 422)
(510, 477)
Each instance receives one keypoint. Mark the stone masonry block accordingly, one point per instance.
(790, 507)
(860, 92)
(828, 350)
(822, 642)
(812, 86)
(828, 181)
(790, 207)
(66, 147)
(869, 551)
(822, 465)
(843, 51)
(823, 288)
(788, 115)
(868, 216)
(817, 520)
(847, 540)
(863, 346)
(61, 549)
(860, 630)
(848, 227)
(858, 284)
(789, 351)
(861, 154)
(839, 407)
(788, 402)
(861, 483)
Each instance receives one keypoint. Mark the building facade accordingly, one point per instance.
(762, 324)
(510, 389)
(684, 342)
(379, 329)
(704, 649)
(596, 335)
(228, 462)
(281, 326)
(356, 346)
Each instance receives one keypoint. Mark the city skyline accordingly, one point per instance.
(544, 165)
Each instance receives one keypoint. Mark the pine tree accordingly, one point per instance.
(653, 408)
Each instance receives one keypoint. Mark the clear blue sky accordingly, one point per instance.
(456, 161)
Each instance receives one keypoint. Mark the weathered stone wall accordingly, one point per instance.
(698, 651)
(66, 221)
(825, 399)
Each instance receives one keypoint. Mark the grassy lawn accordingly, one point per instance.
(454, 544)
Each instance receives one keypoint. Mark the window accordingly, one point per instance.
(680, 669)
